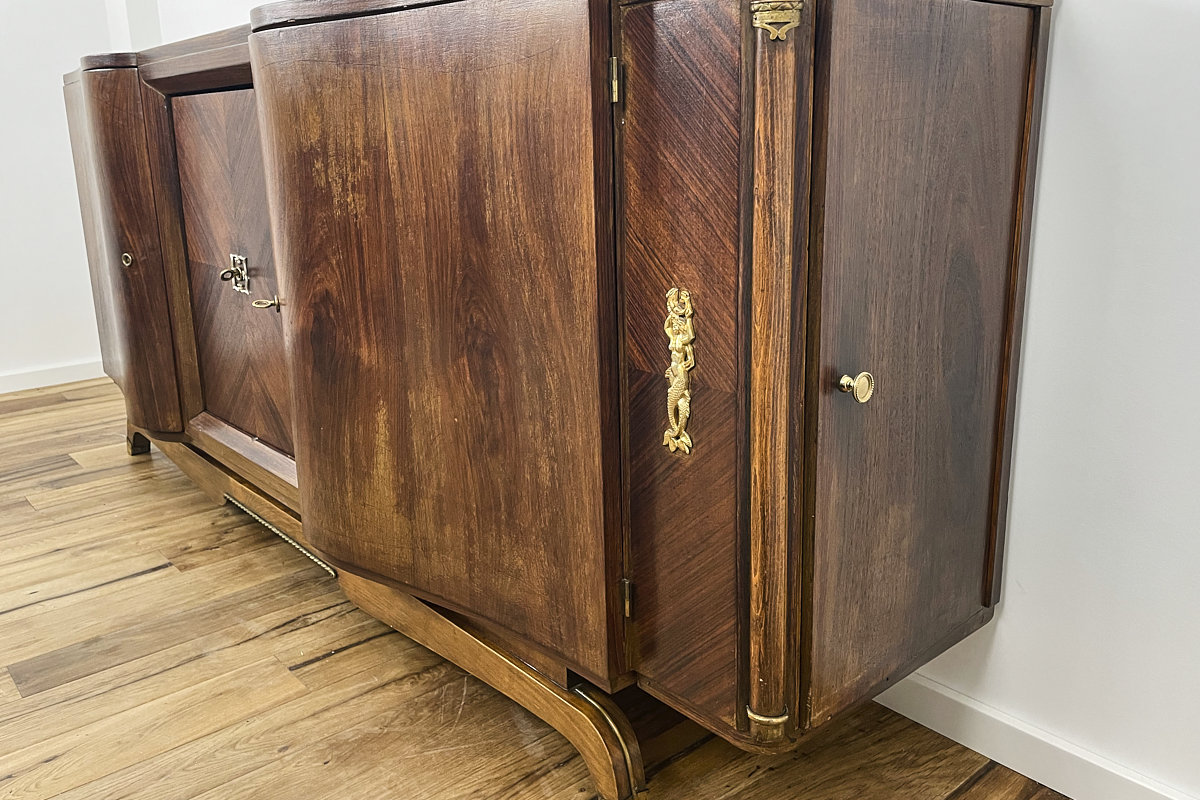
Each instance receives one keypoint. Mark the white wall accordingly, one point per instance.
(47, 325)
(183, 19)
(1097, 643)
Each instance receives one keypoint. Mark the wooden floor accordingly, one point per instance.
(153, 645)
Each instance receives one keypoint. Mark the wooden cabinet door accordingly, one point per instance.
(446, 274)
(108, 136)
(925, 107)
(681, 137)
(243, 371)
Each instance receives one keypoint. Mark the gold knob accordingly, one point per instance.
(863, 386)
(126, 259)
(272, 303)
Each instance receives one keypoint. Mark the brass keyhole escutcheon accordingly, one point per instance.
(862, 386)
(126, 259)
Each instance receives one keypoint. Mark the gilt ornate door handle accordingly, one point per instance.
(681, 334)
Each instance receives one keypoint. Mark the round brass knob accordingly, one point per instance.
(126, 259)
(863, 386)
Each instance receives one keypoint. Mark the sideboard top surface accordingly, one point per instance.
(302, 12)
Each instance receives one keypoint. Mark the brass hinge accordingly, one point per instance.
(614, 78)
(627, 597)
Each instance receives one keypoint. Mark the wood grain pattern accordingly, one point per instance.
(1011, 360)
(994, 782)
(168, 203)
(267, 468)
(779, 273)
(679, 168)
(93, 234)
(220, 67)
(372, 715)
(242, 364)
(130, 299)
(299, 12)
(207, 42)
(437, 246)
(580, 718)
(108, 61)
(913, 288)
(217, 481)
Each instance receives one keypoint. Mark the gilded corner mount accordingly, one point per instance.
(681, 334)
(776, 17)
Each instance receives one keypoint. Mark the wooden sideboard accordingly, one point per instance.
(643, 358)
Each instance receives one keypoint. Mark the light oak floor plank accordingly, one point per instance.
(155, 646)
(8, 690)
(61, 763)
(997, 782)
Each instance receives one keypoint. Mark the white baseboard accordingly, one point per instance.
(36, 379)
(1048, 759)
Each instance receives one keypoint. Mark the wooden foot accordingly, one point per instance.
(587, 717)
(136, 443)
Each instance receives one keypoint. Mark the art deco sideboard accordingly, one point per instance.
(614, 350)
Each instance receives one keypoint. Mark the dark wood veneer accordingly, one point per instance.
(1006, 417)
(913, 288)
(443, 330)
(268, 468)
(242, 364)
(130, 298)
(681, 124)
(474, 241)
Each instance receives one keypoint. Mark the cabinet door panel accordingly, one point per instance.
(926, 112)
(243, 369)
(433, 176)
(130, 298)
(680, 176)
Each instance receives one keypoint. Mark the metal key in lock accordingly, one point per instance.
(238, 273)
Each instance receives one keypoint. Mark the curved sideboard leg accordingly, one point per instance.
(588, 718)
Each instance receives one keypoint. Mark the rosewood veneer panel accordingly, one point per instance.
(680, 179)
(432, 176)
(125, 257)
(243, 369)
(925, 132)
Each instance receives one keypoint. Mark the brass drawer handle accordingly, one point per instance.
(863, 386)
(272, 303)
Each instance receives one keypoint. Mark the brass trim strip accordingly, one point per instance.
(284, 536)
(761, 720)
(620, 739)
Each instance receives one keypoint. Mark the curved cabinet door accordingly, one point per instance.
(446, 278)
(121, 230)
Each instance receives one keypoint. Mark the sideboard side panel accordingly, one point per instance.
(926, 119)
(93, 235)
(432, 180)
(131, 300)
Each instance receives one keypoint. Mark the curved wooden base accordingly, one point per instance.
(587, 717)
